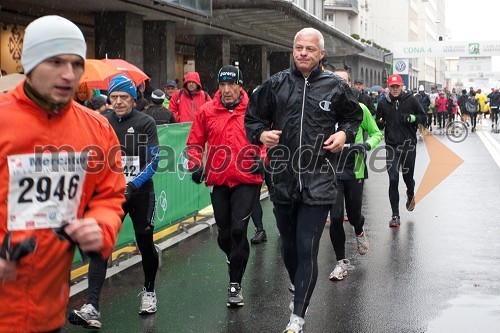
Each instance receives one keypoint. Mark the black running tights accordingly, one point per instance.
(352, 191)
(397, 161)
(232, 208)
(300, 227)
(257, 214)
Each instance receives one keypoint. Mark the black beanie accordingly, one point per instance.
(230, 74)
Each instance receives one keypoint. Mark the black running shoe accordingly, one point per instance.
(410, 202)
(234, 295)
(395, 221)
(260, 236)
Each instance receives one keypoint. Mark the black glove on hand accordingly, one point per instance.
(406, 118)
(11, 253)
(129, 190)
(361, 147)
(198, 175)
(257, 166)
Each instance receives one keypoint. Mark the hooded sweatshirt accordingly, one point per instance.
(185, 104)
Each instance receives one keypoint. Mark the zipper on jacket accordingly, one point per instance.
(306, 83)
(397, 104)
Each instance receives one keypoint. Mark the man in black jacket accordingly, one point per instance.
(400, 114)
(425, 102)
(495, 108)
(156, 110)
(294, 114)
(363, 97)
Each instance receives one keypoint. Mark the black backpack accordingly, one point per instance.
(470, 106)
(450, 105)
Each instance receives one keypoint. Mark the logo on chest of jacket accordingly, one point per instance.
(325, 105)
(130, 130)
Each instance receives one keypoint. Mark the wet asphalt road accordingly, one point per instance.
(439, 272)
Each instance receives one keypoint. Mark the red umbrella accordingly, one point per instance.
(133, 72)
(97, 74)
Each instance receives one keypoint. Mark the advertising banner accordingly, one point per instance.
(177, 196)
(446, 49)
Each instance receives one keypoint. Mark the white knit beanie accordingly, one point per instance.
(49, 36)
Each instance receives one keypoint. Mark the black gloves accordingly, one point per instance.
(257, 166)
(381, 123)
(361, 147)
(407, 118)
(129, 190)
(198, 175)
(11, 253)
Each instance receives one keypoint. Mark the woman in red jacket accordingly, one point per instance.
(233, 170)
(441, 105)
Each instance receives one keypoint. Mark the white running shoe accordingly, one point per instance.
(295, 325)
(148, 302)
(87, 317)
(362, 243)
(340, 270)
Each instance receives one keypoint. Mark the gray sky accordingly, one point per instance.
(472, 20)
(476, 20)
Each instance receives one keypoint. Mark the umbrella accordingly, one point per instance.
(9, 82)
(133, 72)
(98, 73)
(376, 88)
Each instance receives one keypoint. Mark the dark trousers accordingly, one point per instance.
(400, 160)
(494, 116)
(441, 119)
(473, 119)
(141, 207)
(232, 208)
(352, 191)
(257, 213)
(300, 227)
(429, 120)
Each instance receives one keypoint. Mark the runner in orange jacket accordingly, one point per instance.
(61, 183)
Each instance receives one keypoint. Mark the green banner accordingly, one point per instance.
(177, 196)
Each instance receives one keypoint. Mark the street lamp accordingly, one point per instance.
(440, 38)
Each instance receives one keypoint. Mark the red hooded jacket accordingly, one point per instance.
(185, 104)
(229, 153)
(441, 103)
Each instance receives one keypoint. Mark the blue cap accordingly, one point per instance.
(171, 83)
(122, 83)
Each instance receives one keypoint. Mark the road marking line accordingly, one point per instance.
(491, 144)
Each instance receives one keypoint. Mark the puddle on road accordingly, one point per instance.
(472, 313)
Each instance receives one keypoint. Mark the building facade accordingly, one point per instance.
(170, 37)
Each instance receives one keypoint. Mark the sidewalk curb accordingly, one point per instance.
(83, 285)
